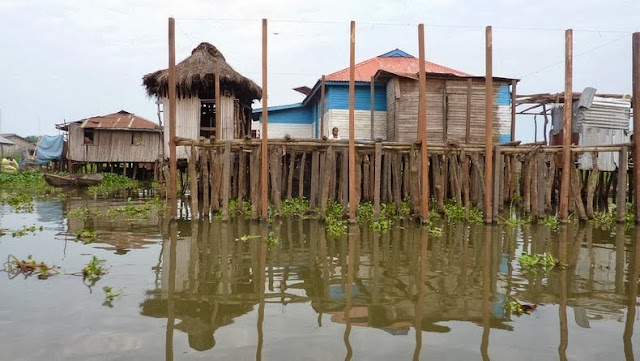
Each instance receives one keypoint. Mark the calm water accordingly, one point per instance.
(198, 291)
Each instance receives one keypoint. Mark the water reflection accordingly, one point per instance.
(394, 282)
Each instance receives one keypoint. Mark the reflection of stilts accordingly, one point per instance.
(634, 272)
(353, 238)
(262, 278)
(171, 299)
(421, 279)
(562, 309)
(486, 292)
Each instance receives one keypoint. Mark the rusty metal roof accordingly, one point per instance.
(393, 64)
(121, 120)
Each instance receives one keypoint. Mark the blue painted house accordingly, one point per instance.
(395, 104)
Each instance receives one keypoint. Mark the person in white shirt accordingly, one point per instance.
(334, 133)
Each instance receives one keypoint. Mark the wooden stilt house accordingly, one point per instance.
(121, 140)
(196, 104)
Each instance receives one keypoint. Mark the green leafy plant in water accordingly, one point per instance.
(551, 221)
(246, 238)
(87, 236)
(93, 271)
(295, 207)
(382, 225)
(111, 294)
(29, 182)
(435, 231)
(364, 213)
(81, 212)
(519, 309)
(536, 262)
(21, 203)
(29, 267)
(24, 230)
(272, 239)
(112, 183)
(605, 220)
(405, 209)
(336, 225)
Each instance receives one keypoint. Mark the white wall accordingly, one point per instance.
(340, 118)
(187, 123)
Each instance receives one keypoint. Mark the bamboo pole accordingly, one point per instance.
(218, 113)
(565, 182)
(322, 89)
(193, 183)
(422, 131)
(264, 180)
(636, 122)
(352, 147)
(173, 162)
(488, 130)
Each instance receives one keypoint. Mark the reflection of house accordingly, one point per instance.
(117, 231)
(120, 137)
(196, 105)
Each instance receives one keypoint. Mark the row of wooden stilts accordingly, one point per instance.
(526, 178)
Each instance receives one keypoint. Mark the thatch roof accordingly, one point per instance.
(195, 75)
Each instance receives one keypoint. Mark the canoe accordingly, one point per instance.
(84, 180)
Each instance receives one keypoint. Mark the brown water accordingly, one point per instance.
(206, 294)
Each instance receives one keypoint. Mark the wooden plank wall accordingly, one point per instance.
(113, 146)
(444, 96)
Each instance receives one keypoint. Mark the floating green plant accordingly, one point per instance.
(29, 267)
(516, 308)
(93, 271)
(111, 294)
(87, 236)
(537, 262)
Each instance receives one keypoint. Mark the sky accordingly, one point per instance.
(69, 60)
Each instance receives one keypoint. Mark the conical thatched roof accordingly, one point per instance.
(195, 75)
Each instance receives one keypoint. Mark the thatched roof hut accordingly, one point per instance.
(195, 76)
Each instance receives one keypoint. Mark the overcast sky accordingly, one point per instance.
(68, 60)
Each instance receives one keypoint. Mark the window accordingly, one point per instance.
(207, 118)
(88, 136)
(136, 138)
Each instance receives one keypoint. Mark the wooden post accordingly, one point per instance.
(565, 181)
(303, 162)
(468, 115)
(173, 162)
(352, 146)
(636, 122)
(498, 172)
(193, 183)
(226, 180)
(422, 130)
(264, 180)
(219, 132)
(292, 165)
(242, 176)
(513, 110)
(488, 130)
(373, 106)
(322, 89)
(377, 175)
(621, 191)
(207, 182)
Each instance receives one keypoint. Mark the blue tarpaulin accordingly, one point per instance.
(49, 148)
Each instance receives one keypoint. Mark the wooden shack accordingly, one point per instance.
(196, 104)
(120, 140)
(455, 107)
(21, 146)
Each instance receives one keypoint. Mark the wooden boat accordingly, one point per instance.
(83, 180)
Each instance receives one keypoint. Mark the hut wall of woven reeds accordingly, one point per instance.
(196, 105)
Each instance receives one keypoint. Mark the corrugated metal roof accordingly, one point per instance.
(121, 120)
(393, 64)
(5, 141)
